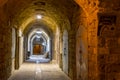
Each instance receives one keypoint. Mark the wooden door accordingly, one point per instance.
(37, 49)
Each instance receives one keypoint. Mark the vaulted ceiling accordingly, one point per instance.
(54, 12)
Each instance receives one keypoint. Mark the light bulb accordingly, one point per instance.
(39, 16)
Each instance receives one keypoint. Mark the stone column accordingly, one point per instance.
(72, 55)
(17, 50)
(13, 49)
(92, 50)
(5, 51)
(21, 50)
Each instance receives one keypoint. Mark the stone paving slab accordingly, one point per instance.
(41, 71)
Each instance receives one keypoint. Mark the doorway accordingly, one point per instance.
(37, 49)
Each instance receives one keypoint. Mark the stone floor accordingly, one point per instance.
(41, 58)
(39, 71)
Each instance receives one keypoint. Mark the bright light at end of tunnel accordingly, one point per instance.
(39, 16)
(38, 32)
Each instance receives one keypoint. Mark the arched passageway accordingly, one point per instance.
(44, 33)
(81, 37)
(39, 43)
(46, 30)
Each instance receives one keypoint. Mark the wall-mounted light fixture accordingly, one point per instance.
(38, 32)
(39, 16)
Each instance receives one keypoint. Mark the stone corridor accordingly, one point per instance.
(81, 36)
(39, 71)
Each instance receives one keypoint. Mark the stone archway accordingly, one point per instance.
(38, 40)
(38, 44)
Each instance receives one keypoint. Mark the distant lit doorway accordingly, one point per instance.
(37, 49)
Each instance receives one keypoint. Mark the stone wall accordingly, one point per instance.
(5, 52)
(108, 47)
(72, 57)
(92, 48)
(103, 38)
(90, 8)
(5, 46)
(108, 40)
